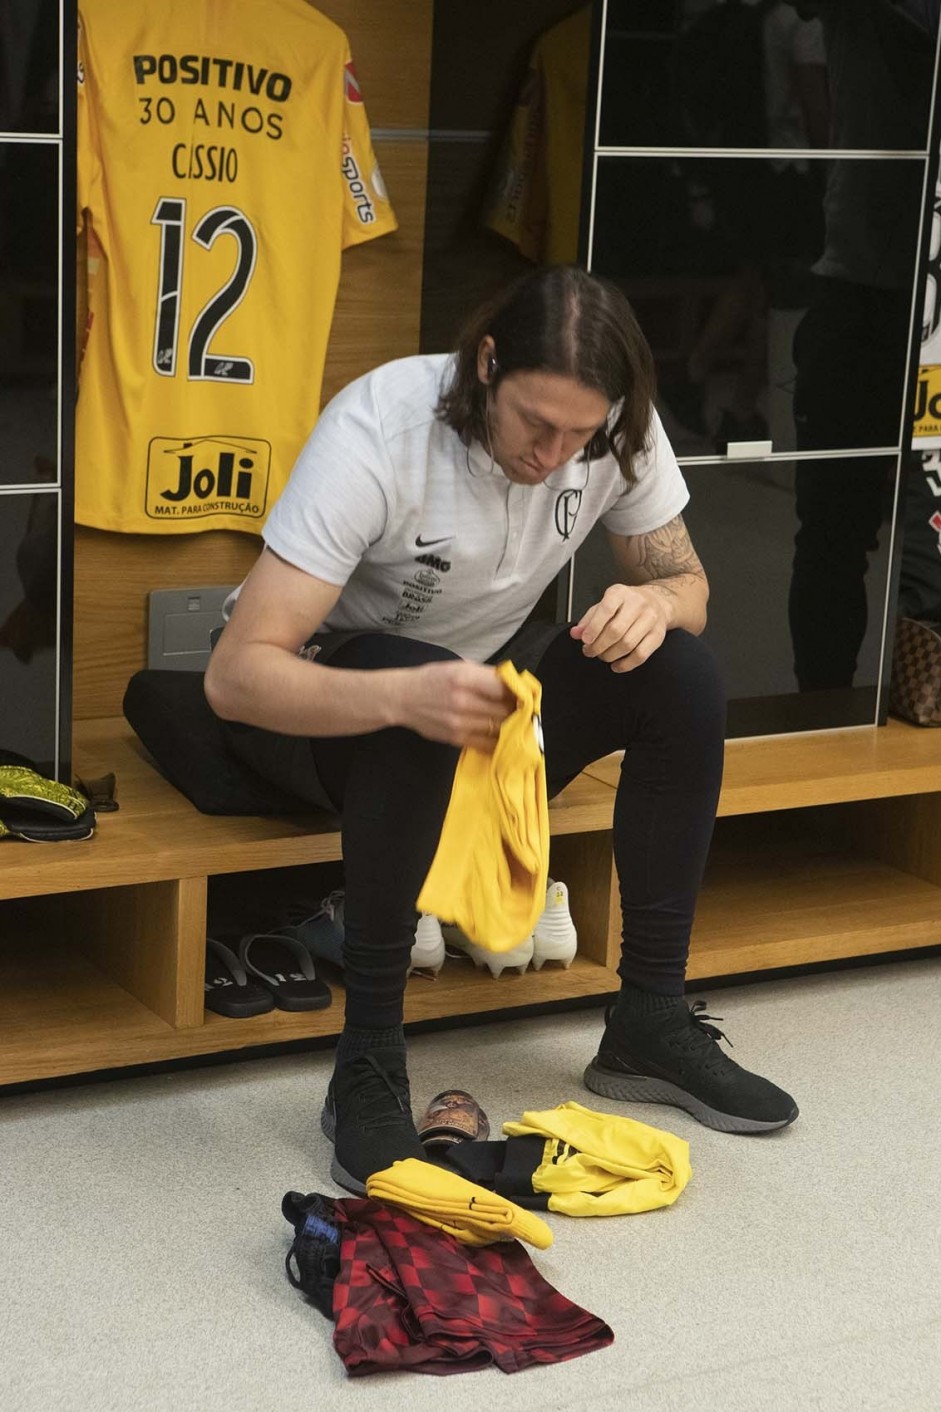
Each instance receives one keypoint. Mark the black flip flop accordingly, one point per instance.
(228, 989)
(284, 965)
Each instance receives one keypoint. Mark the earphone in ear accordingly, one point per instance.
(492, 366)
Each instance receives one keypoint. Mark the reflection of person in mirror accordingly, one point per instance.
(483, 472)
(771, 93)
(32, 624)
(850, 348)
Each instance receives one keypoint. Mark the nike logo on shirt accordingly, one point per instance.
(427, 543)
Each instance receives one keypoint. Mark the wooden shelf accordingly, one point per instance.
(463, 989)
(791, 898)
(60, 1014)
(820, 767)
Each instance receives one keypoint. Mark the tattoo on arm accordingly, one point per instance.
(665, 553)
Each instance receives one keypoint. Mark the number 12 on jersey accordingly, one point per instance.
(201, 364)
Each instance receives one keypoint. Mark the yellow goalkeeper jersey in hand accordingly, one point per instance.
(490, 869)
(224, 162)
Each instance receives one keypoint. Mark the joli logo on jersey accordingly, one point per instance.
(928, 401)
(207, 475)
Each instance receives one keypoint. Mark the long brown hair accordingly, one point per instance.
(559, 320)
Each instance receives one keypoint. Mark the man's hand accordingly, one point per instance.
(628, 624)
(459, 703)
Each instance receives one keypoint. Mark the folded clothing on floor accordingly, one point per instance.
(600, 1164)
(414, 1299)
(459, 1207)
(577, 1162)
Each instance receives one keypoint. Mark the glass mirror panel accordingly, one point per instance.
(29, 559)
(777, 298)
(29, 66)
(837, 74)
(29, 312)
(797, 556)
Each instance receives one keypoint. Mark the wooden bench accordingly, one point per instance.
(826, 846)
(102, 943)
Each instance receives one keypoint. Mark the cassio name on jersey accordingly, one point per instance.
(225, 162)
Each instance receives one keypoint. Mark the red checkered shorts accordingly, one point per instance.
(411, 1297)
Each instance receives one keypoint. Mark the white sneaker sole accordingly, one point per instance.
(426, 959)
(562, 949)
(495, 961)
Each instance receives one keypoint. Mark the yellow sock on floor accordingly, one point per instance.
(461, 1208)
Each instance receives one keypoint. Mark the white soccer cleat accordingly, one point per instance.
(428, 948)
(554, 936)
(495, 961)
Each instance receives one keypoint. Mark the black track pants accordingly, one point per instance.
(392, 788)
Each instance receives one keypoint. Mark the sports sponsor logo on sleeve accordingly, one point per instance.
(378, 185)
(365, 210)
(351, 84)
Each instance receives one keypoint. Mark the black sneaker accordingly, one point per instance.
(673, 1057)
(367, 1116)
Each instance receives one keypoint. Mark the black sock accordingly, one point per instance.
(634, 1003)
(354, 1042)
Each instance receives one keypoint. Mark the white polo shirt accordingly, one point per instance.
(428, 538)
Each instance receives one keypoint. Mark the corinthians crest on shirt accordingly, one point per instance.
(195, 477)
(567, 505)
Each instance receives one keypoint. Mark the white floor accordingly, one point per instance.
(142, 1242)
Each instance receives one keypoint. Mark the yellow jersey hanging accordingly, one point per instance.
(224, 162)
(535, 193)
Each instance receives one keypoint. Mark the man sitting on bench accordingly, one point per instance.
(434, 502)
